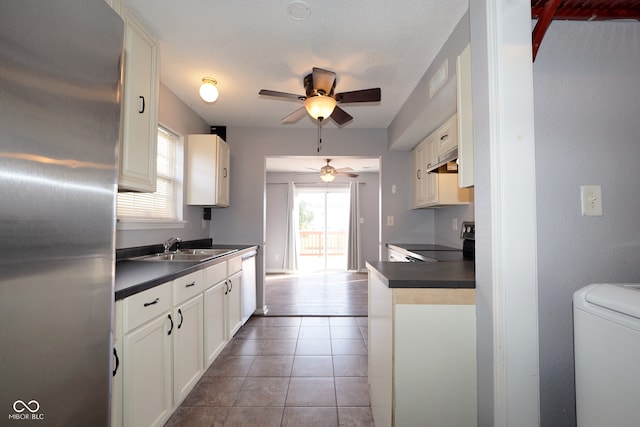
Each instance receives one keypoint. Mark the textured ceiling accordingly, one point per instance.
(251, 45)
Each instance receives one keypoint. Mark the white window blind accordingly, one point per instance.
(166, 203)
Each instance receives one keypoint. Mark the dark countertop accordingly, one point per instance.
(457, 274)
(427, 253)
(421, 247)
(136, 276)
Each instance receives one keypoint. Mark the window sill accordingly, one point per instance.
(147, 224)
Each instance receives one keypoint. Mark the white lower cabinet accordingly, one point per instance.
(234, 296)
(188, 339)
(167, 336)
(215, 313)
(214, 322)
(188, 343)
(147, 357)
(234, 304)
(422, 356)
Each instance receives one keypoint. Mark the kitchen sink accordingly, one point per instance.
(175, 256)
(187, 255)
(210, 252)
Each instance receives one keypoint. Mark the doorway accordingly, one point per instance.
(323, 227)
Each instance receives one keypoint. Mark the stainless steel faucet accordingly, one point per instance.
(170, 242)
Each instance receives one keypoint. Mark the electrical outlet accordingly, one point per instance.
(390, 221)
(454, 224)
(591, 199)
(277, 257)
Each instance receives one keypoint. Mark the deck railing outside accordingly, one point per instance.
(312, 243)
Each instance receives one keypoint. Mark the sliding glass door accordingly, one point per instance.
(323, 228)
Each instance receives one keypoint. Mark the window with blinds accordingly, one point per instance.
(166, 203)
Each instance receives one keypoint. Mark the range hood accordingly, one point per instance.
(447, 163)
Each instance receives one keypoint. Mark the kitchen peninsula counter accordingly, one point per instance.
(457, 274)
(421, 353)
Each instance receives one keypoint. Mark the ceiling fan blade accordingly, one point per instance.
(347, 169)
(365, 95)
(295, 116)
(351, 175)
(277, 94)
(324, 80)
(340, 116)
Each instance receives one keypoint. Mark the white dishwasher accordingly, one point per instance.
(606, 319)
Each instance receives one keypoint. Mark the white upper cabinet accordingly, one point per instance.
(432, 190)
(465, 119)
(208, 160)
(447, 136)
(139, 115)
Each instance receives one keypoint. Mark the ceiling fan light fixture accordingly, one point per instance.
(327, 173)
(208, 90)
(320, 107)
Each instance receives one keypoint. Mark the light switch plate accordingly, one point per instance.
(591, 199)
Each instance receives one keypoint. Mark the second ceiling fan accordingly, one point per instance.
(328, 172)
(320, 101)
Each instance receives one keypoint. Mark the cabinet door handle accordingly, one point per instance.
(181, 318)
(171, 328)
(231, 283)
(190, 284)
(141, 110)
(226, 287)
(419, 174)
(115, 354)
(155, 301)
(225, 173)
(443, 137)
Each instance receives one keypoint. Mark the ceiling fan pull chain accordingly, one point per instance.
(319, 137)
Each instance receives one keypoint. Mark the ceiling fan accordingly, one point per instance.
(320, 100)
(328, 173)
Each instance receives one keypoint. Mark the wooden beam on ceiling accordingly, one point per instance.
(578, 10)
(544, 19)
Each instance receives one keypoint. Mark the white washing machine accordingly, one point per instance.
(606, 319)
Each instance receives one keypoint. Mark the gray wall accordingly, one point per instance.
(445, 234)
(276, 203)
(243, 221)
(178, 117)
(587, 110)
(420, 115)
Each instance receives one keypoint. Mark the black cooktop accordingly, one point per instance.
(431, 252)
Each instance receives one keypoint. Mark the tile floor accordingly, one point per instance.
(285, 371)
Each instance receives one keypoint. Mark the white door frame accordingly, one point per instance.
(505, 185)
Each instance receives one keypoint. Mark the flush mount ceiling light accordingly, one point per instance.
(208, 90)
(320, 106)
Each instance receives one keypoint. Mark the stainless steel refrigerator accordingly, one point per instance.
(60, 86)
